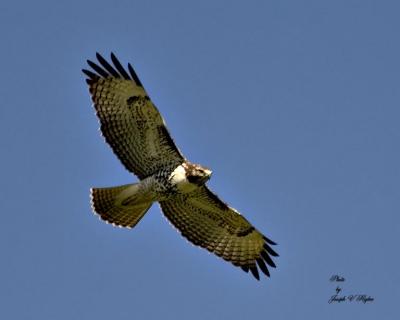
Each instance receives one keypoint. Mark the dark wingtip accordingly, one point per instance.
(106, 69)
(254, 271)
(270, 251)
(90, 74)
(134, 75)
(107, 66)
(268, 259)
(263, 267)
(245, 268)
(98, 69)
(269, 241)
(119, 67)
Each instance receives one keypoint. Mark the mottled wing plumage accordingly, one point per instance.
(206, 221)
(129, 121)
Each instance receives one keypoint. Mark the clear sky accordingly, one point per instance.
(295, 105)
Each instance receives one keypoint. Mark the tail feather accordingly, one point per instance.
(120, 206)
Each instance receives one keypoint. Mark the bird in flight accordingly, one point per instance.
(138, 135)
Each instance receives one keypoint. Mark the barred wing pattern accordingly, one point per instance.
(206, 221)
(129, 121)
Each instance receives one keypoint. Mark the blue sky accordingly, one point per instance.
(294, 105)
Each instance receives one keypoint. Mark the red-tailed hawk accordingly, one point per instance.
(136, 132)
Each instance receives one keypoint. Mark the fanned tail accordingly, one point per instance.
(121, 206)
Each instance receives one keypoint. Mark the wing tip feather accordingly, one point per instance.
(107, 66)
(269, 241)
(263, 267)
(254, 271)
(119, 67)
(105, 69)
(270, 250)
(90, 74)
(134, 75)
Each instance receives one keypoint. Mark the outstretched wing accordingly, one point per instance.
(129, 121)
(206, 221)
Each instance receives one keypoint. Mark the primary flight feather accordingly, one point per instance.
(136, 132)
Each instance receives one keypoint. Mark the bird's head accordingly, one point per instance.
(196, 173)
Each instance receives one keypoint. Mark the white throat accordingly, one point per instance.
(178, 178)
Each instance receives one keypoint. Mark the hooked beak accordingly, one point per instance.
(207, 175)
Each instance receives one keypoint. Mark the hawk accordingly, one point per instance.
(138, 135)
